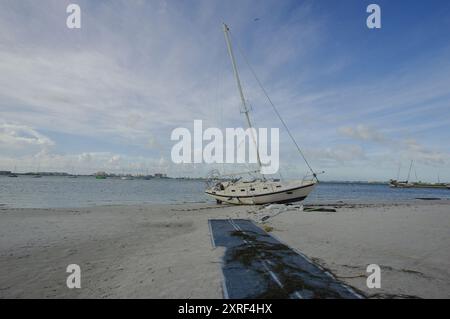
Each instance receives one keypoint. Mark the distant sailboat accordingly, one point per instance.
(127, 178)
(395, 183)
(258, 191)
(37, 174)
(74, 175)
(13, 173)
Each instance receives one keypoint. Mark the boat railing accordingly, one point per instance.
(311, 177)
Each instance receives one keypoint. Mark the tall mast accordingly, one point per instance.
(241, 93)
(399, 168)
(409, 173)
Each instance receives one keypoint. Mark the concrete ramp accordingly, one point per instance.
(256, 265)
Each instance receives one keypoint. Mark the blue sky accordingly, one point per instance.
(107, 96)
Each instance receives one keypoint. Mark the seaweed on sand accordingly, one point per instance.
(276, 256)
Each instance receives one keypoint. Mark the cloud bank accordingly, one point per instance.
(108, 95)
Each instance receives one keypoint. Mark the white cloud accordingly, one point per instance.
(362, 132)
(21, 138)
(332, 156)
(423, 154)
(395, 149)
(115, 160)
(138, 69)
(123, 83)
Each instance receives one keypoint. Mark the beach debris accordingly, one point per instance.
(391, 296)
(256, 265)
(318, 209)
(272, 210)
(267, 228)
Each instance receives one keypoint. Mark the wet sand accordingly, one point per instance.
(165, 251)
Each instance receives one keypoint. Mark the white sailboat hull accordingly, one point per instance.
(287, 194)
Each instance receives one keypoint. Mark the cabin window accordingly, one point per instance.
(264, 187)
(252, 189)
(242, 190)
(233, 190)
(278, 186)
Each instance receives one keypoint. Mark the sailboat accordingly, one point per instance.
(127, 178)
(37, 174)
(13, 174)
(407, 184)
(74, 174)
(396, 183)
(259, 191)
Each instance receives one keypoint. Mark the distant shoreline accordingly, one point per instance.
(150, 177)
(137, 176)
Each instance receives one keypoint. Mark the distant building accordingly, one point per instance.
(160, 175)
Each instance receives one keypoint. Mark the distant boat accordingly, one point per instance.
(100, 175)
(399, 184)
(12, 174)
(407, 184)
(37, 174)
(430, 185)
(74, 175)
(262, 190)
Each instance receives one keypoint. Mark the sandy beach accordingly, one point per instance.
(165, 251)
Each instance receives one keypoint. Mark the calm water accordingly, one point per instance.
(47, 192)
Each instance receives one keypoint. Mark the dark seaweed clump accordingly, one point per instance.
(278, 258)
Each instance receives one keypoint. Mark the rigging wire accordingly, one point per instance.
(274, 108)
